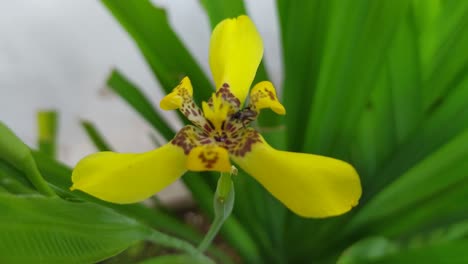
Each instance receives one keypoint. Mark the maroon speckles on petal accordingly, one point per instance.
(229, 97)
(242, 144)
(210, 161)
(232, 133)
(189, 137)
(207, 128)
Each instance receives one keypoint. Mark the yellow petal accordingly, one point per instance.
(216, 113)
(309, 185)
(180, 94)
(209, 158)
(236, 50)
(263, 95)
(129, 178)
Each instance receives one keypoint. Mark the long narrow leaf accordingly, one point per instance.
(96, 137)
(47, 132)
(133, 96)
(165, 53)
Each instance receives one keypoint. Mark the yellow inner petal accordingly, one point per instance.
(217, 113)
(181, 93)
(236, 50)
(263, 95)
(129, 178)
(309, 185)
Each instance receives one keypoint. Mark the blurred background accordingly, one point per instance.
(57, 54)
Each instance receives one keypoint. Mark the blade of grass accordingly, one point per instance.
(449, 161)
(378, 249)
(375, 135)
(353, 38)
(405, 78)
(349, 70)
(450, 252)
(304, 28)
(95, 136)
(436, 130)
(165, 53)
(444, 69)
(219, 10)
(47, 128)
(439, 210)
(137, 100)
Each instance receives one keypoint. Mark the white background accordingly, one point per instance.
(57, 54)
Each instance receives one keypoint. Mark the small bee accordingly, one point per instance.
(245, 116)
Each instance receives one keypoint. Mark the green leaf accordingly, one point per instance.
(50, 230)
(444, 70)
(349, 70)
(219, 10)
(381, 250)
(452, 252)
(18, 155)
(304, 26)
(47, 127)
(406, 191)
(437, 129)
(367, 249)
(96, 137)
(404, 71)
(375, 134)
(135, 98)
(176, 259)
(13, 180)
(165, 53)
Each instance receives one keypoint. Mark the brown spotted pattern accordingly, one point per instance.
(260, 94)
(234, 136)
(228, 97)
(189, 137)
(208, 158)
(192, 111)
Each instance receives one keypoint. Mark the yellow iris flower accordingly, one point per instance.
(309, 185)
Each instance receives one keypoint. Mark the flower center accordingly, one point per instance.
(221, 122)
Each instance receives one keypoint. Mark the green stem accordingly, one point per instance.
(172, 242)
(47, 128)
(212, 232)
(223, 203)
(175, 243)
